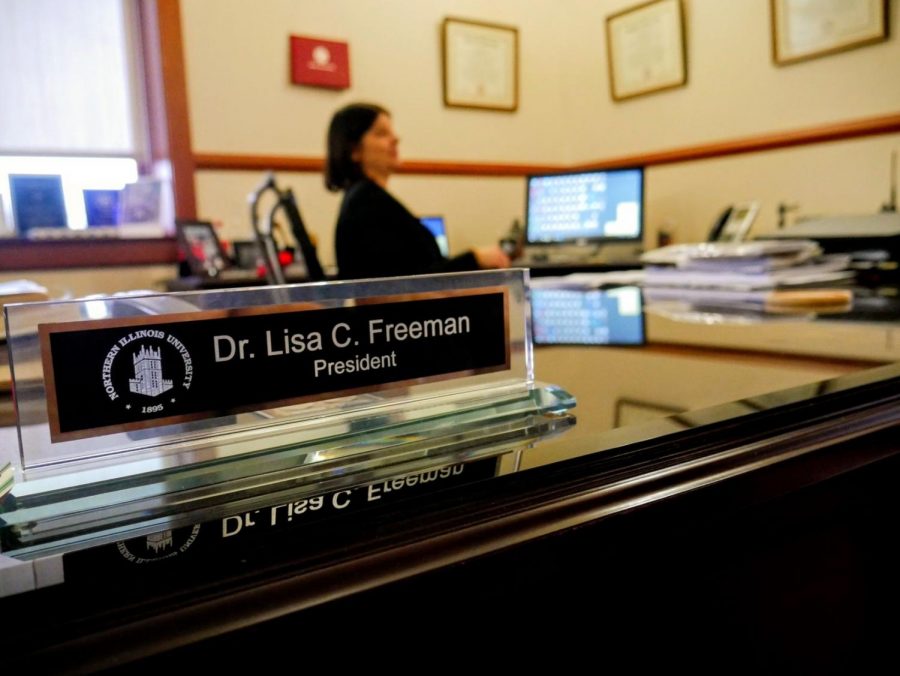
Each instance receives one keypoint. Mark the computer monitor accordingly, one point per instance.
(435, 225)
(587, 207)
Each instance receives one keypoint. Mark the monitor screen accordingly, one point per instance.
(587, 316)
(585, 206)
(435, 225)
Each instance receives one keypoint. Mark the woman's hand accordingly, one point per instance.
(491, 257)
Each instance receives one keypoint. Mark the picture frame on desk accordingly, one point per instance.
(101, 207)
(646, 49)
(37, 202)
(807, 30)
(480, 65)
(141, 209)
(201, 247)
(141, 202)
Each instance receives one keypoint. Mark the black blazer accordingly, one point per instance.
(376, 236)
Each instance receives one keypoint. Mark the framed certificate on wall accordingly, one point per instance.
(481, 65)
(804, 30)
(645, 46)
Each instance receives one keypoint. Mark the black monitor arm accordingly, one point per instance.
(274, 273)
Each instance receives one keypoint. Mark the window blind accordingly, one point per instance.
(70, 78)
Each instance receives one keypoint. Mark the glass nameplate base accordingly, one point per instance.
(211, 374)
(141, 413)
(57, 514)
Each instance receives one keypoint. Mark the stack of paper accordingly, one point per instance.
(21, 291)
(743, 266)
(748, 276)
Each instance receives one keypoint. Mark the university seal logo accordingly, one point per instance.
(147, 372)
(158, 546)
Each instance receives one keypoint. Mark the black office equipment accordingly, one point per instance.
(247, 254)
(306, 251)
(513, 242)
(585, 215)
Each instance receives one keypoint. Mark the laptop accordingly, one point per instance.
(438, 228)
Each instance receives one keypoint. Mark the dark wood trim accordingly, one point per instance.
(259, 162)
(872, 126)
(477, 168)
(840, 131)
(167, 89)
(151, 63)
(317, 165)
(20, 254)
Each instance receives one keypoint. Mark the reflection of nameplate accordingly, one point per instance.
(120, 374)
(274, 531)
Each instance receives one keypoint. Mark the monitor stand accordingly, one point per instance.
(609, 253)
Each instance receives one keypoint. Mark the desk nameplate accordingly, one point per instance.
(114, 375)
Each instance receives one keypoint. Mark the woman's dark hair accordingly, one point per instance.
(347, 128)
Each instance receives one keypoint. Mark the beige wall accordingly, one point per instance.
(847, 177)
(241, 103)
(734, 90)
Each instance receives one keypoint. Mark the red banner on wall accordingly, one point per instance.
(320, 63)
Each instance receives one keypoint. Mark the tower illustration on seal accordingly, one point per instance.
(148, 375)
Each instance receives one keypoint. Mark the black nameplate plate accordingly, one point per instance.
(114, 375)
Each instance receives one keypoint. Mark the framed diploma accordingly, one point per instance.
(645, 45)
(806, 29)
(481, 65)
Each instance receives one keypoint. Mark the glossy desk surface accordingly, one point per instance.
(726, 393)
(689, 362)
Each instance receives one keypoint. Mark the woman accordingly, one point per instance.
(376, 235)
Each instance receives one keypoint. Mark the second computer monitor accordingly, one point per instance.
(585, 207)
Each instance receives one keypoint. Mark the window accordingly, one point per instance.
(72, 99)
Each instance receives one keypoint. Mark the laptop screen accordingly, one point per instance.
(435, 225)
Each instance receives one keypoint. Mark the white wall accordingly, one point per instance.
(241, 102)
